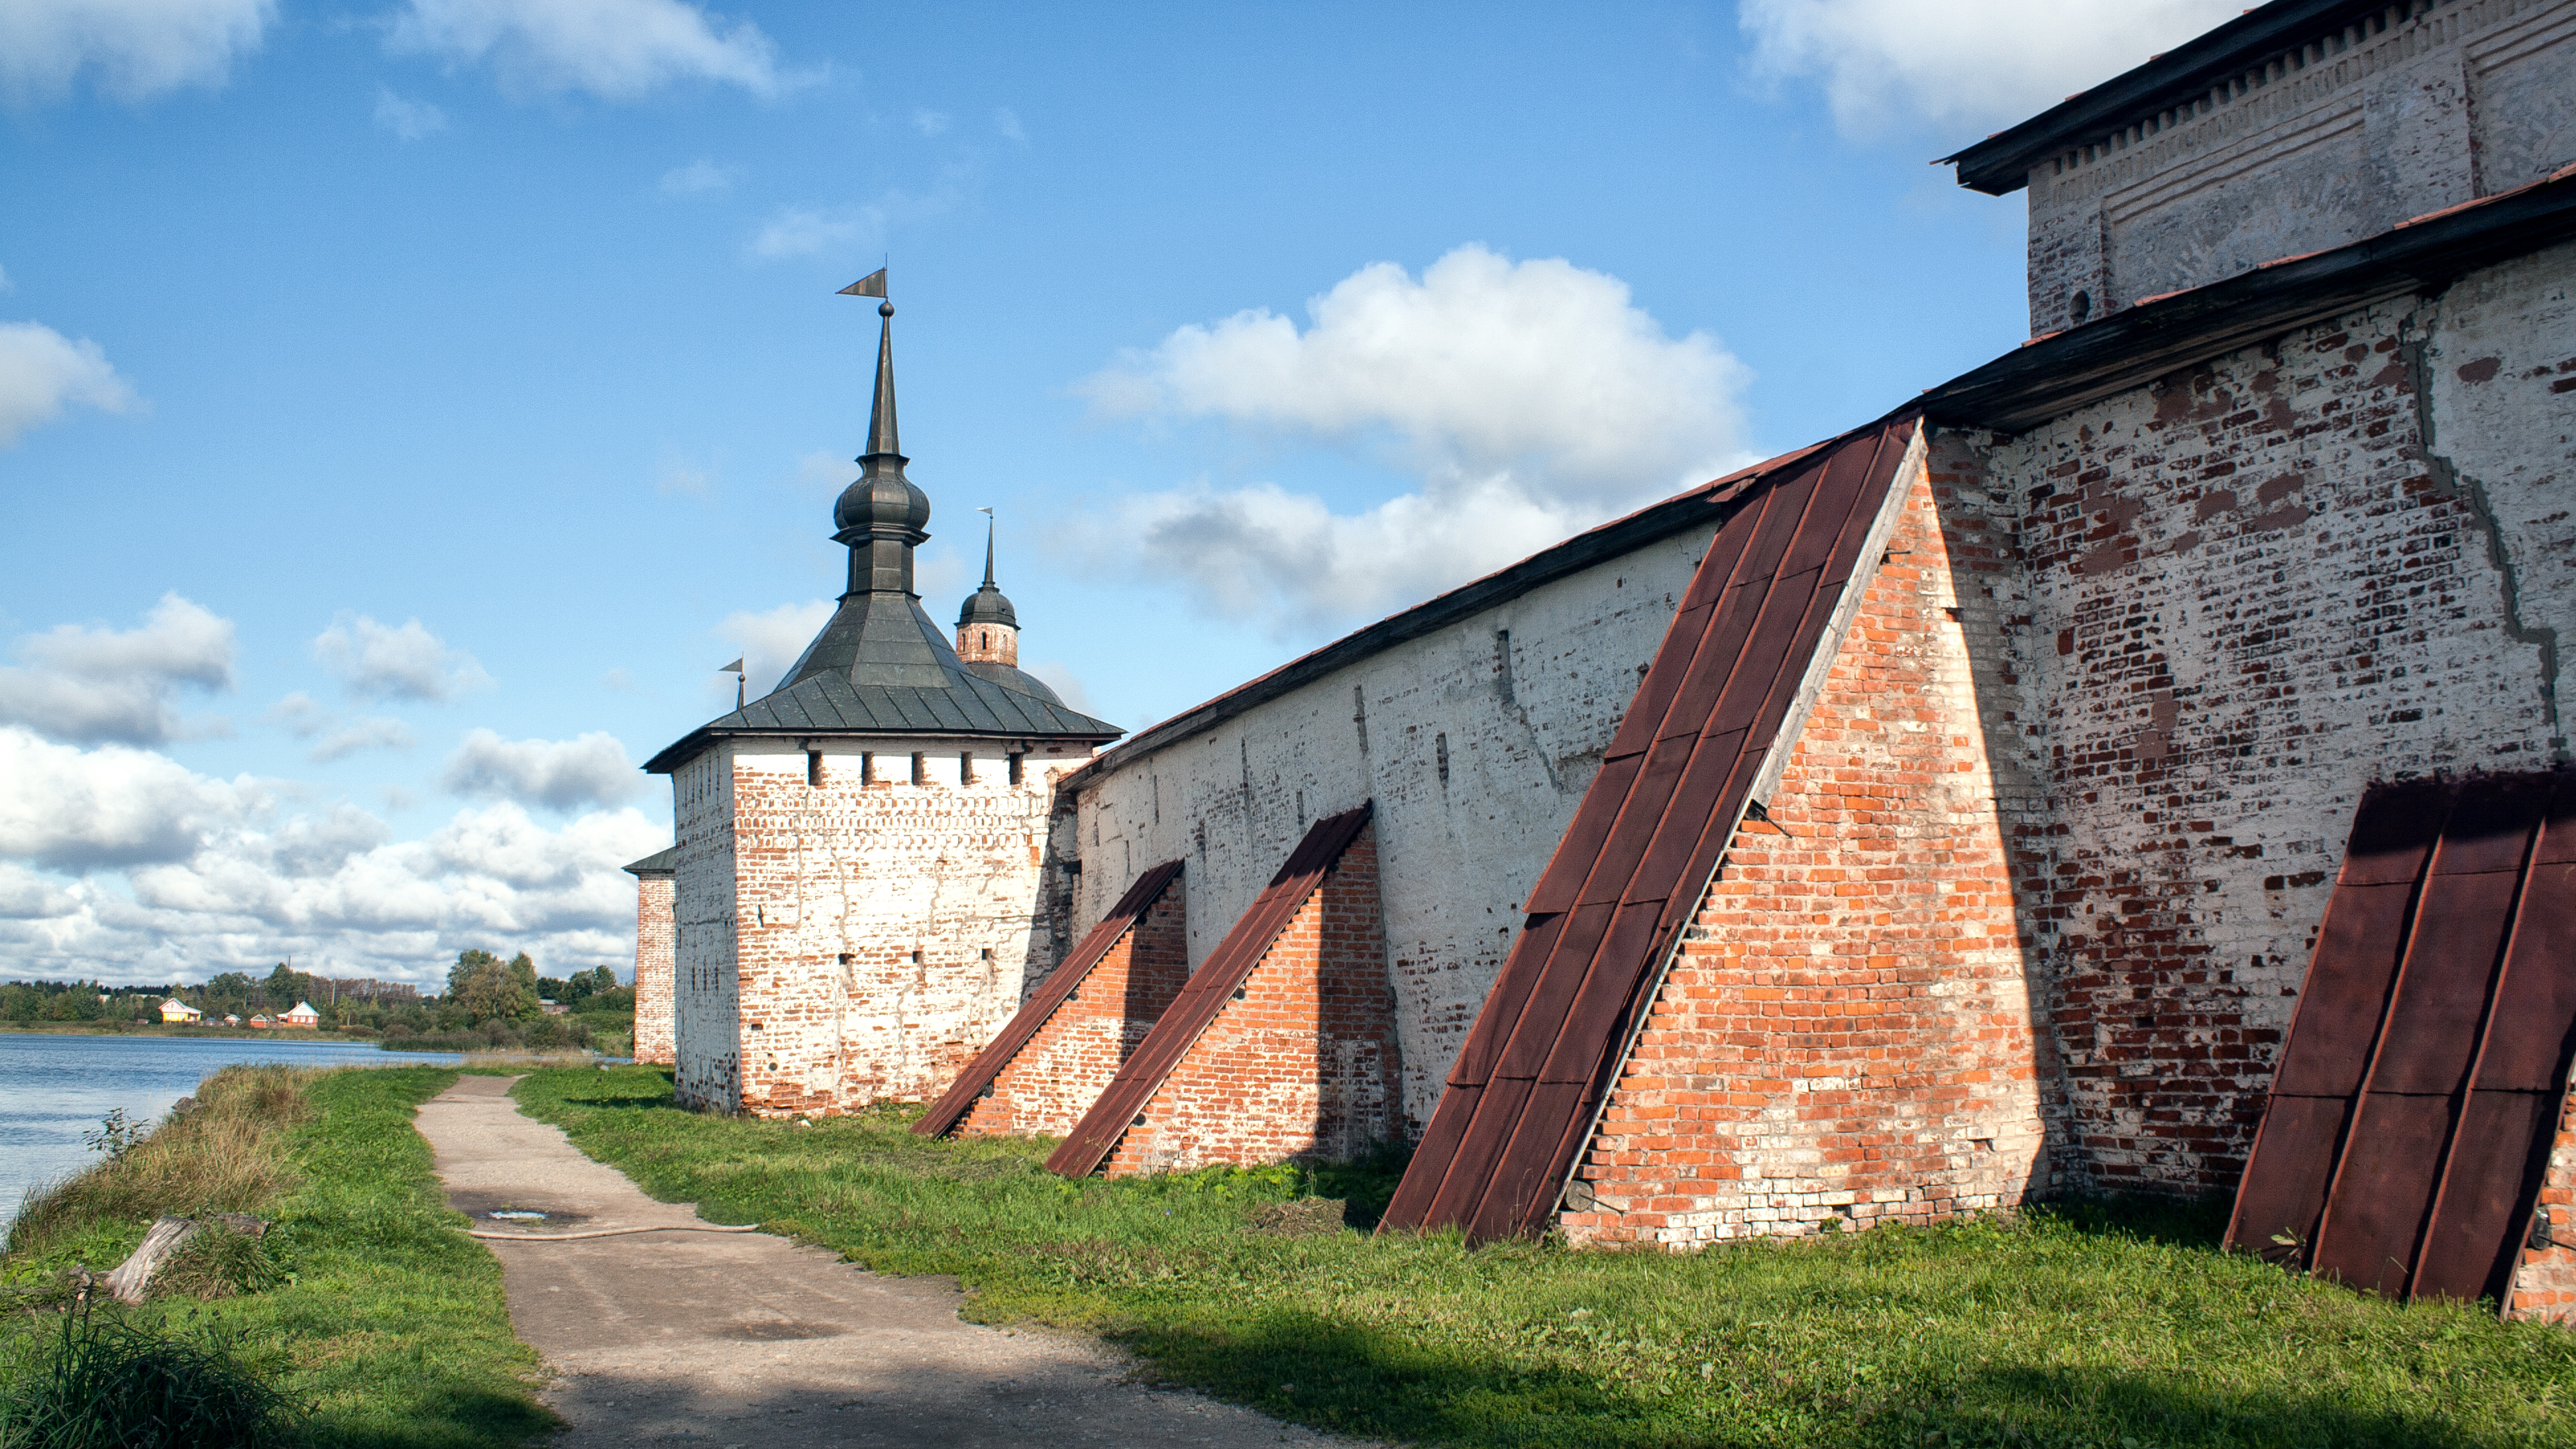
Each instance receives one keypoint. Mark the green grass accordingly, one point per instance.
(385, 1323)
(2087, 1324)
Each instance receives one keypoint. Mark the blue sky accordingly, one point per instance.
(406, 405)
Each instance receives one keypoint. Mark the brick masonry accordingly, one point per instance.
(2338, 139)
(1845, 1034)
(849, 933)
(654, 929)
(1304, 1063)
(1063, 1069)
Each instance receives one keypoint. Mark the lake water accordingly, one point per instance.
(54, 1088)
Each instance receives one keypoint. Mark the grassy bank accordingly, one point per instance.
(2084, 1325)
(363, 1303)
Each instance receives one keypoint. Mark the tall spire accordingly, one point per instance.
(882, 515)
(882, 438)
(988, 546)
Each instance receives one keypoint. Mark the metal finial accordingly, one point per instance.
(988, 545)
(883, 437)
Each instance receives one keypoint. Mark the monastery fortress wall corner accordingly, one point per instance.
(2023, 896)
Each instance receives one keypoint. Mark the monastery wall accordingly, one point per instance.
(706, 1038)
(2421, 107)
(860, 938)
(1846, 1035)
(1475, 741)
(1302, 1061)
(654, 930)
(2254, 587)
(1063, 1069)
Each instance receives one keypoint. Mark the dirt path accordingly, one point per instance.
(750, 1340)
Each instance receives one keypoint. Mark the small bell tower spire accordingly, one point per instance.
(988, 628)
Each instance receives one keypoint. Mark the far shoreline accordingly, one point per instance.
(97, 1028)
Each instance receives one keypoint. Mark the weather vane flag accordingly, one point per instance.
(871, 285)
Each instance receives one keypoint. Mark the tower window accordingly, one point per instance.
(966, 767)
(916, 958)
(920, 768)
(814, 768)
(1016, 770)
(867, 768)
(2080, 307)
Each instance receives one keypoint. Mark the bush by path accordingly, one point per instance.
(363, 1308)
(2082, 1325)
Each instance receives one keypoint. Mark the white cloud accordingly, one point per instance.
(84, 684)
(136, 48)
(367, 732)
(408, 119)
(930, 123)
(696, 179)
(613, 49)
(75, 809)
(42, 371)
(772, 640)
(301, 716)
(1531, 399)
(1006, 124)
(681, 475)
(120, 864)
(5, 284)
(558, 774)
(1981, 62)
(1061, 679)
(375, 661)
(801, 231)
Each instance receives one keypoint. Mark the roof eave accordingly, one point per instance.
(2001, 163)
(2050, 375)
(703, 738)
(1706, 504)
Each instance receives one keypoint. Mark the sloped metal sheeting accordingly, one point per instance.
(2412, 1113)
(960, 1099)
(1205, 995)
(1645, 842)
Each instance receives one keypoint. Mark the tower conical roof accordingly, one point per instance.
(988, 605)
(881, 666)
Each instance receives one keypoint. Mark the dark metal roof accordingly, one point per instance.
(987, 605)
(660, 862)
(951, 1109)
(2240, 48)
(1646, 841)
(2417, 1096)
(1011, 676)
(1206, 994)
(880, 666)
(967, 705)
(2048, 376)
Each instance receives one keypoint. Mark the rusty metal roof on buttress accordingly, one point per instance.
(1647, 839)
(2417, 1096)
(1205, 995)
(952, 1108)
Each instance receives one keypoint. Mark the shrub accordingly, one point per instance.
(99, 1382)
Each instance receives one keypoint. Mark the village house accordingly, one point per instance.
(175, 1012)
(2137, 764)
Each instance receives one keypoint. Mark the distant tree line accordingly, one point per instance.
(488, 1002)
